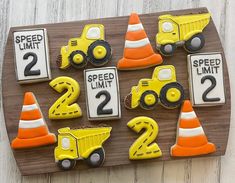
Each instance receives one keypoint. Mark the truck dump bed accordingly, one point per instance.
(189, 23)
(185, 19)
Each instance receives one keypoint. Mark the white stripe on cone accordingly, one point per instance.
(31, 123)
(136, 44)
(134, 27)
(29, 107)
(191, 132)
(188, 115)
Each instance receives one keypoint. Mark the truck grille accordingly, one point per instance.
(74, 43)
(145, 83)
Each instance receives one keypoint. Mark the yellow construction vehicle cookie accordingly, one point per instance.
(162, 88)
(84, 143)
(184, 30)
(91, 46)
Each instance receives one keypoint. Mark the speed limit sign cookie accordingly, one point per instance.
(102, 93)
(206, 79)
(31, 55)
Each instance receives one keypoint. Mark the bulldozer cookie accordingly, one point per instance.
(91, 46)
(32, 131)
(84, 143)
(162, 88)
(206, 79)
(181, 30)
(190, 139)
(64, 107)
(144, 147)
(138, 52)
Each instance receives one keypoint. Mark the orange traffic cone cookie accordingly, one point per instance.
(138, 52)
(33, 131)
(191, 139)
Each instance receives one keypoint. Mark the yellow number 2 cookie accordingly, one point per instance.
(141, 149)
(64, 107)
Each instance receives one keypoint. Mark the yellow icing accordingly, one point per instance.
(64, 107)
(144, 147)
(82, 142)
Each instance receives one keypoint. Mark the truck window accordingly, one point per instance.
(167, 27)
(65, 142)
(165, 74)
(93, 33)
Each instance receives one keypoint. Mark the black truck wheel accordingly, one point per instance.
(78, 59)
(99, 53)
(172, 95)
(96, 158)
(67, 164)
(195, 43)
(148, 100)
(167, 49)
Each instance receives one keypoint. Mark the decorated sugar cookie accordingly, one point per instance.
(184, 30)
(84, 143)
(91, 46)
(138, 52)
(32, 62)
(190, 139)
(206, 79)
(144, 147)
(33, 130)
(162, 88)
(65, 107)
(102, 93)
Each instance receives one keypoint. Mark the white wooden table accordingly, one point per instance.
(28, 12)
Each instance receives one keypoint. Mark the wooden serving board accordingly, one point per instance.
(215, 120)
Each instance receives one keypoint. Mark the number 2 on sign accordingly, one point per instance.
(100, 108)
(144, 147)
(64, 107)
(27, 70)
(213, 85)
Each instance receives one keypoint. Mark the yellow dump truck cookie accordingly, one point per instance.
(184, 30)
(84, 143)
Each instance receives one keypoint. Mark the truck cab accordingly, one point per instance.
(167, 30)
(88, 36)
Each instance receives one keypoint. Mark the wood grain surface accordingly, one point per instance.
(215, 120)
(215, 169)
